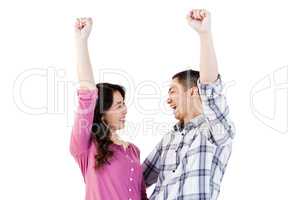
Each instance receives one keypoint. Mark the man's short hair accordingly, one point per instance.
(187, 78)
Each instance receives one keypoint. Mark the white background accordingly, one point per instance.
(141, 44)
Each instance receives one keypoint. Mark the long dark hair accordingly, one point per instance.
(101, 134)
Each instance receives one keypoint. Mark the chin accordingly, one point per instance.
(121, 126)
(118, 127)
(177, 116)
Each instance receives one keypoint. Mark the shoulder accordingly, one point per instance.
(167, 137)
(134, 147)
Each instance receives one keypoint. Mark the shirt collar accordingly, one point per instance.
(193, 123)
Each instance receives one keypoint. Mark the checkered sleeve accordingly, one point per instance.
(151, 165)
(216, 110)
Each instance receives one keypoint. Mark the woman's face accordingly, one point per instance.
(116, 114)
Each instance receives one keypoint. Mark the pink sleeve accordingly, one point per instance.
(81, 131)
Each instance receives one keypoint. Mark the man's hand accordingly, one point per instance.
(199, 19)
(83, 27)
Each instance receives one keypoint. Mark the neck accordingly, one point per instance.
(116, 140)
(193, 112)
(190, 117)
(114, 135)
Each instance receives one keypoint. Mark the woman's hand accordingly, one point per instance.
(83, 27)
(200, 20)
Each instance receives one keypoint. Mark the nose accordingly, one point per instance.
(169, 100)
(125, 110)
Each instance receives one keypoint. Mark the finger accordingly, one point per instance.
(86, 20)
(81, 20)
(194, 14)
(202, 13)
(191, 14)
(77, 25)
(82, 23)
(189, 17)
(200, 17)
(206, 13)
(90, 20)
(197, 14)
(77, 22)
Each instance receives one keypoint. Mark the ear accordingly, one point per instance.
(103, 119)
(194, 91)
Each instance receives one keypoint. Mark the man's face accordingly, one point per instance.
(178, 99)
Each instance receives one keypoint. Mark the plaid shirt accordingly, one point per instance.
(189, 162)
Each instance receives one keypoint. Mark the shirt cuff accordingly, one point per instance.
(87, 93)
(210, 89)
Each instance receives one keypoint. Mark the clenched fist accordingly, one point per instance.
(83, 27)
(199, 19)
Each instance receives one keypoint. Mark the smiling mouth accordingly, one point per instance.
(122, 120)
(173, 107)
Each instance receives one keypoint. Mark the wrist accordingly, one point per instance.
(205, 35)
(81, 41)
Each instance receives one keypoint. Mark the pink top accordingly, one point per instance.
(122, 179)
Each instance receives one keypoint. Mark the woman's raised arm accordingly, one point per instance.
(83, 27)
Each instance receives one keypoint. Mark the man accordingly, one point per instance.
(189, 162)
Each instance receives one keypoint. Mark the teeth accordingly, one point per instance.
(174, 109)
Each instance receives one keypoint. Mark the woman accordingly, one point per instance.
(110, 167)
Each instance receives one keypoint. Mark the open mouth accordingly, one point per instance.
(122, 119)
(173, 107)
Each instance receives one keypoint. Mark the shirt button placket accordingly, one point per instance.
(131, 175)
